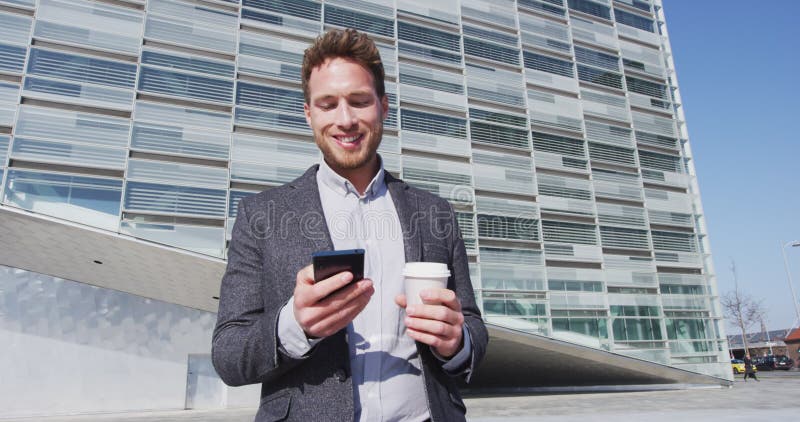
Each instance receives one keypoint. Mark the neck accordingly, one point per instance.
(360, 176)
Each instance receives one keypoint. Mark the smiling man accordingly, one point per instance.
(338, 350)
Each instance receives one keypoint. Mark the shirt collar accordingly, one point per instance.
(342, 186)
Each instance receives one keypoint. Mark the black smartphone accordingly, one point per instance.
(328, 263)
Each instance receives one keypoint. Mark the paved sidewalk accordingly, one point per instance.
(774, 397)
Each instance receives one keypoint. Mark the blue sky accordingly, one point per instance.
(738, 64)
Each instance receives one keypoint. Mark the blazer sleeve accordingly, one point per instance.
(245, 346)
(478, 336)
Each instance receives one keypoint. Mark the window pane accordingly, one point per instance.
(178, 140)
(498, 135)
(596, 76)
(9, 97)
(270, 56)
(67, 153)
(428, 53)
(188, 62)
(91, 24)
(433, 123)
(182, 116)
(559, 144)
(542, 5)
(490, 51)
(548, 64)
(300, 8)
(271, 120)
(559, 231)
(591, 8)
(196, 26)
(596, 58)
(635, 21)
(269, 97)
(431, 78)
(16, 29)
(86, 200)
(184, 174)
(184, 85)
(496, 85)
(4, 140)
(270, 159)
(81, 69)
(12, 58)
(350, 19)
(181, 200)
(428, 36)
(505, 173)
(72, 126)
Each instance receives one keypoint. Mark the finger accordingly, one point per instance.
(316, 319)
(324, 288)
(340, 317)
(348, 293)
(440, 329)
(445, 297)
(437, 342)
(400, 300)
(306, 275)
(304, 287)
(436, 313)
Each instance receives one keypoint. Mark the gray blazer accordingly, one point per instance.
(275, 233)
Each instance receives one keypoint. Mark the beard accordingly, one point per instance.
(366, 155)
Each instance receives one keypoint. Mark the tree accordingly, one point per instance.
(743, 311)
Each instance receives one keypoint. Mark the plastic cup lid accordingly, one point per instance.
(426, 269)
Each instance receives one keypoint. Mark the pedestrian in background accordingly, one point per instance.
(749, 369)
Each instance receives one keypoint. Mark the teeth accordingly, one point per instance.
(349, 139)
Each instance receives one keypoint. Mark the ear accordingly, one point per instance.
(307, 112)
(385, 106)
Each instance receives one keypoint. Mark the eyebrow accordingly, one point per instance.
(352, 94)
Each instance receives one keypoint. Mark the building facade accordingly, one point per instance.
(792, 342)
(554, 127)
(761, 343)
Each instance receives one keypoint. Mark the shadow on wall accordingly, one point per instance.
(67, 311)
(71, 348)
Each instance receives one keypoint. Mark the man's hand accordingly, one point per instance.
(438, 322)
(321, 315)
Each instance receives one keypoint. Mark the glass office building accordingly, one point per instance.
(554, 127)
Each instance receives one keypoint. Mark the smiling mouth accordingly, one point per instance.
(349, 140)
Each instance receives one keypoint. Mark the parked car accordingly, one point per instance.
(738, 366)
(773, 362)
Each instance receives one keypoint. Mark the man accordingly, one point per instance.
(749, 368)
(336, 350)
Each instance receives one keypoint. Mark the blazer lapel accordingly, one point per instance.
(304, 198)
(407, 206)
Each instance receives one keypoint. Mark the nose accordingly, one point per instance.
(344, 115)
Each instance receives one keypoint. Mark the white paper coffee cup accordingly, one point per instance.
(420, 276)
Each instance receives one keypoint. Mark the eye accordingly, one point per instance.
(326, 106)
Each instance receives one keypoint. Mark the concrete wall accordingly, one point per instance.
(70, 348)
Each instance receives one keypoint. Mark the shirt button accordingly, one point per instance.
(340, 375)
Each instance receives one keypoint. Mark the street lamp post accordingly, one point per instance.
(794, 243)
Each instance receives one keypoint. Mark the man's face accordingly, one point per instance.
(346, 115)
